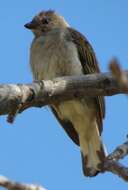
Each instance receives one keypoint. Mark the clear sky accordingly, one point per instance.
(35, 148)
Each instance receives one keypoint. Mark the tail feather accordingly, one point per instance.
(93, 153)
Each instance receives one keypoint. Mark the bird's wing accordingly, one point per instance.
(90, 65)
(68, 127)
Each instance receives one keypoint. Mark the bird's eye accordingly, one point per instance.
(45, 21)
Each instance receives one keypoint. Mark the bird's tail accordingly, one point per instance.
(93, 153)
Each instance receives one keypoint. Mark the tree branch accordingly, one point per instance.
(15, 98)
(110, 164)
(10, 185)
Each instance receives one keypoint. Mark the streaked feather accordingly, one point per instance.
(90, 65)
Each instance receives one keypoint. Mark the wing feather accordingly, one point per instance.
(90, 65)
(68, 127)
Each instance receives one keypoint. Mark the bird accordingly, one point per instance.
(59, 50)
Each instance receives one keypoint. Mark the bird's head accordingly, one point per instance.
(45, 22)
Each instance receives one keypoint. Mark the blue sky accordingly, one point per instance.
(35, 149)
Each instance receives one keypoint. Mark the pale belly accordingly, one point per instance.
(48, 63)
(80, 114)
(50, 60)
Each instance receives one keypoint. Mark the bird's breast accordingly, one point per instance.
(52, 58)
(56, 57)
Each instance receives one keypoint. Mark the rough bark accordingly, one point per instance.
(38, 94)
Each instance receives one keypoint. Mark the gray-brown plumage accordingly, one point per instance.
(59, 50)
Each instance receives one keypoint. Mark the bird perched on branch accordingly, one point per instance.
(59, 50)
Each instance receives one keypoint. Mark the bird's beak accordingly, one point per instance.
(31, 25)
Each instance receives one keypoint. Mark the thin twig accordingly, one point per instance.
(119, 153)
(116, 168)
(111, 163)
(119, 75)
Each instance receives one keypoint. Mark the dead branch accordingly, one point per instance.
(119, 75)
(116, 168)
(111, 163)
(16, 98)
(119, 153)
(11, 185)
